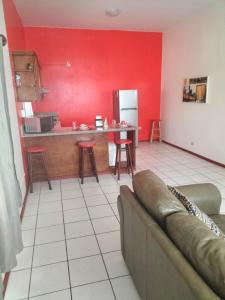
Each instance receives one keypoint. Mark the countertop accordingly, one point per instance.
(69, 131)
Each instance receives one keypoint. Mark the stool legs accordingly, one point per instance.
(30, 170)
(93, 162)
(91, 155)
(81, 163)
(155, 127)
(118, 160)
(45, 170)
(130, 160)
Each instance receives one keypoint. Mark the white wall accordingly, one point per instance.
(12, 108)
(196, 47)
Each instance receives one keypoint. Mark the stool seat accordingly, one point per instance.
(36, 149)
(123, 142)
(88, 144)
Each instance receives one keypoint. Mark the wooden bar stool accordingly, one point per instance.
(89, 146)
(155, 130)
(38, 151)
(127, 143)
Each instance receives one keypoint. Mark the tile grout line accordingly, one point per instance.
(65, 240)
(99, 245)
(35, 231)
(72, 259)
(72, 238)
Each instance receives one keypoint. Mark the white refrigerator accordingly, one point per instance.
(125, 108)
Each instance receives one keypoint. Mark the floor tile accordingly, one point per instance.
(105, 224)
(29, 222)
(78, 229)
(81, 247)
(49, 234)
(124, 288)
(115, 264)
(112, 198)
(18, 285)
(73, 203)
(72, 194)
(89, 183)
(91, 191)
(50, 197)
(62, 295)
(96, 200)
(75, 215)
(55, 186)
(109, 241)
(24, 259)
(49, 278)
(111, 188)
(87, 270)
(100, 211)
(28, 237)
(69, 180)
(50, 219)
(70, 186)
(31, 210)
(94, 291)
(49, 253)
(50, 207)
(32, 197)
(115, 208)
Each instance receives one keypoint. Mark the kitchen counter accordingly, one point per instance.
(69, 131)
(62, 153)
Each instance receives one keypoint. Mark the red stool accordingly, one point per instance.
(39, 151)
(89, 146)
(127, 143)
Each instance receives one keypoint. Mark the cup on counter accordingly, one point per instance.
(74, 125)
(113, 123)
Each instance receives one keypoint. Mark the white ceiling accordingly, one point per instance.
(138, 15)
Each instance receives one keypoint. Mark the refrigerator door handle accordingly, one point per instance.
(129, 108)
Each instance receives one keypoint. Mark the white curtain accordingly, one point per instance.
(10, 194)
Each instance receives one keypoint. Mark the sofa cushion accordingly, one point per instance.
(220, 221)
(155, 196)
(195, 211)
(204, 250)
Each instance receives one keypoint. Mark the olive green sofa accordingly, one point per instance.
(170, 254)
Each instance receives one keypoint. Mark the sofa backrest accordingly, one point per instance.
(204, 250)
(155, 196)
(157, 266)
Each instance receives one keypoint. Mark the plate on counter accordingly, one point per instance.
(83, 128)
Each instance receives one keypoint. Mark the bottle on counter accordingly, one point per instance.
(74, 125)
(106, 124)
(99, 122)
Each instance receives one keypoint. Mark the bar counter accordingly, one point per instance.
(62, 156)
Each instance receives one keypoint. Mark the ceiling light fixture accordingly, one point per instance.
(113, 12)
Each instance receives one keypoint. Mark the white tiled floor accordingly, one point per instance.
(71, 234)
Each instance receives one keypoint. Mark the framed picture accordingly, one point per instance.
(195, 90)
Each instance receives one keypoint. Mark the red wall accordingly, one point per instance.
(15, 30)
(101, 61)
(16, 41)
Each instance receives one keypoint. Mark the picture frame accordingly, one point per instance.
(195, 89)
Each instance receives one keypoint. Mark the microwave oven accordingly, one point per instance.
(38, 124)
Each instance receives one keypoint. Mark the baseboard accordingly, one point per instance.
(195, 154)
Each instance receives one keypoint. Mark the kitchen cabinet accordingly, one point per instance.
(27, 76)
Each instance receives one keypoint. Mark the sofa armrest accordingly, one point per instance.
(205, 195)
